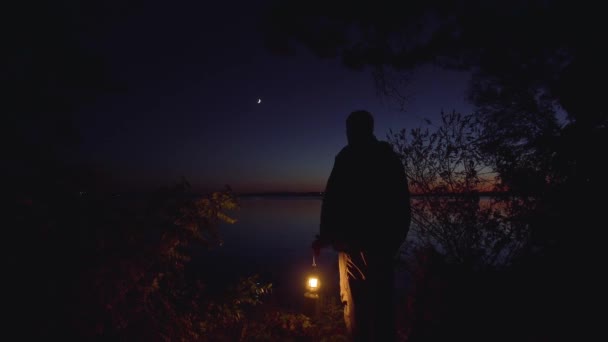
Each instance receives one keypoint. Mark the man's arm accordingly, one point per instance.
(401, 201)
(329, 208)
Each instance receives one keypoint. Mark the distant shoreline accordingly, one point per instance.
(288, 194)
(320, 194)
(280, 194)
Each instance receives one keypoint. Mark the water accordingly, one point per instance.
(272, 238)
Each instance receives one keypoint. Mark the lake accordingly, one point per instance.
(272, 238)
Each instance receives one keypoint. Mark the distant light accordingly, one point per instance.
(259, 101)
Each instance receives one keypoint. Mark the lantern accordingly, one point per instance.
(313, 282)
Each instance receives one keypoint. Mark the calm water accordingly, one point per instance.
(272, 238)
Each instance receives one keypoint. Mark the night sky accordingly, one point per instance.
(187, 80)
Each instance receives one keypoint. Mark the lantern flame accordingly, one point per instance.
(313, 283)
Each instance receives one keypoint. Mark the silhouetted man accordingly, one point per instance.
(366, 216)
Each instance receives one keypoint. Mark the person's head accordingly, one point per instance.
(359, 127)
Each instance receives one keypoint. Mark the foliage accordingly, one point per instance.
(279, 325)
(233, 308)
(329, 324)
(520, 128)
(495, 252)
(115, 268)
(447, 160)
(112, 266)
(519, 86)
(139, 275)
(252, 320)
(531, 63)
(498, 42)
(448, 172)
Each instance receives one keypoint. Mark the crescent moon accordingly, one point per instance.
(259, 101)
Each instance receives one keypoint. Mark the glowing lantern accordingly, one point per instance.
(313, 283)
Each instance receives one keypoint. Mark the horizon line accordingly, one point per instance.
(320, 193)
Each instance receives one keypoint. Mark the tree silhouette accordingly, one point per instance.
(530, 62)
(449, 172)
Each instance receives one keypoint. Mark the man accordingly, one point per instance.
(366, 216)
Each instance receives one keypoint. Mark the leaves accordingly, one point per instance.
(447, 171)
